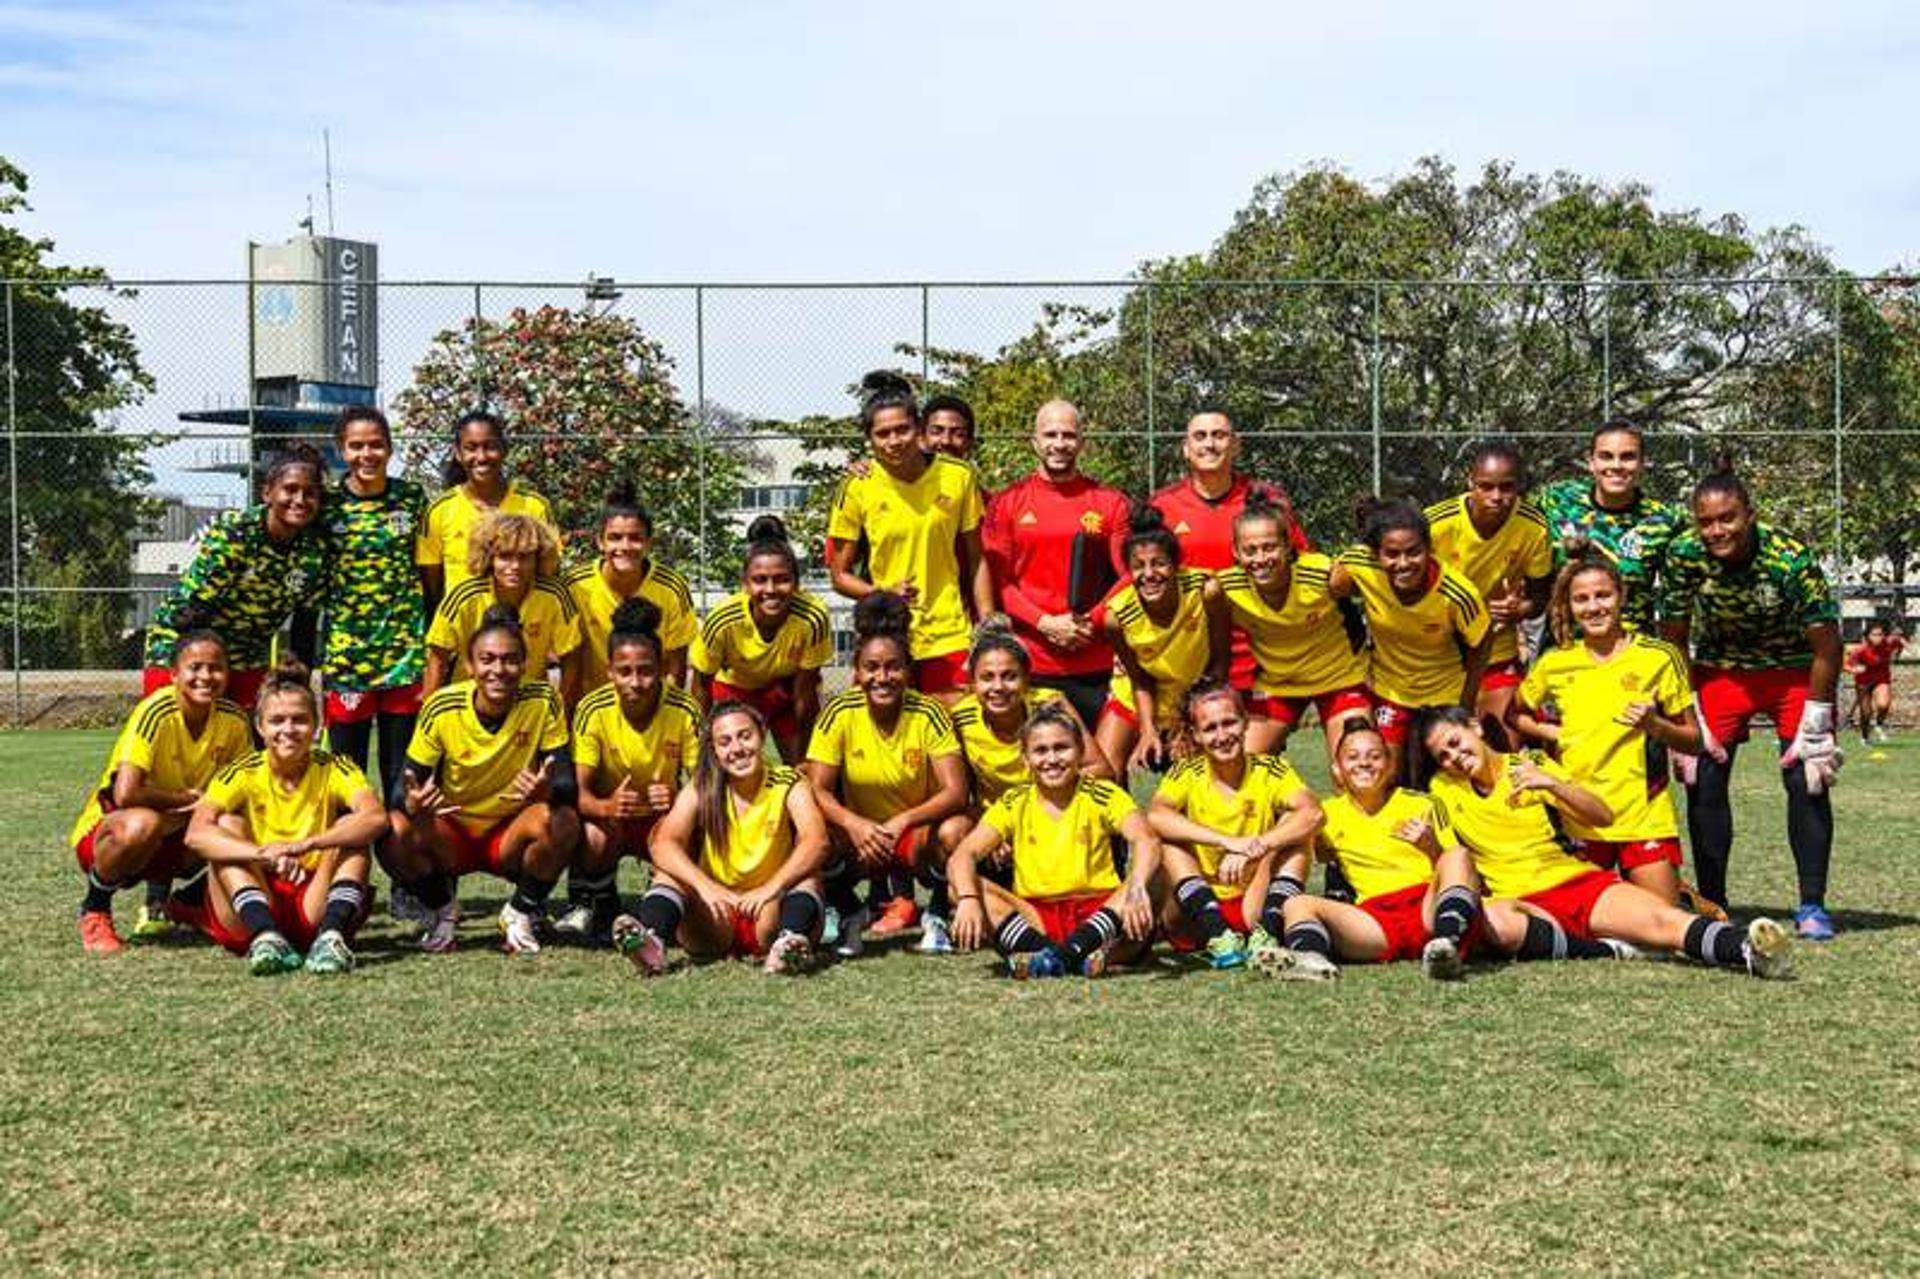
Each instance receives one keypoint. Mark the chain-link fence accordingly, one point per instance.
(137, 410)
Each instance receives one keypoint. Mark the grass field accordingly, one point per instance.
(163, 1112)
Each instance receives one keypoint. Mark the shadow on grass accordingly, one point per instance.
(1844, 921)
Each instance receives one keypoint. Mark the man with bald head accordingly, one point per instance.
(1030, 532)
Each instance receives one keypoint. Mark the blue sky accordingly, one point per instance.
(750, 141)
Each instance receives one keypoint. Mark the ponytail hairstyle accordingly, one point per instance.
(885, 389)
(512, 533)
(193, 624)
(1560, 623)
(1354, 725)
(635, 621)
(767, 536)
(500, 616)
(622, 502)
(1052, 714)
(361, 413)
(882, 616)
(454, 473)
(995, 634)
(1504, 450)
(1260, 509)
(289, 675)
(1378, 517)
(1724, 480)
(714, 807)
(290, 456)
(1146, 526)
(1204, 689)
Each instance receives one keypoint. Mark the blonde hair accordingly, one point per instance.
(1560, 623)
(512, 533)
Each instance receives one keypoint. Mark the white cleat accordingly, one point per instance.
(1440, 959)
(438, 938)
(935, 938)
(516, 932)
(1769, 950)
(790, 955)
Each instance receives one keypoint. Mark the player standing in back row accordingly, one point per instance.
(1610, 513)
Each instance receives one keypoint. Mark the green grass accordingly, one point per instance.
(162, 1112)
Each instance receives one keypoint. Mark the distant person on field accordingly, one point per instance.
(1870, 662)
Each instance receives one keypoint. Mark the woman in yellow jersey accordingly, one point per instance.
(766, 644)
(1499, 541)
(1427, 623)
(489, 786)
(513, 558)
(1609, 703)
(885, 767)
(286, 831)
(1305, 642)
(627, 570)
(134, 824)
(1503, 807)
(737, 861)
(1068, 910)
(1416, 895)
(634, 741)
(1168, 628)
(919, 516)
(1226, 820)
(478, 486)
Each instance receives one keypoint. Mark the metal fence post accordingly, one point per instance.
(926, 329)
(700, 427)
(13, 512)
(1606, 351)
(1839, 428)
(479, 356)
(1373, 379)
(1153, 452)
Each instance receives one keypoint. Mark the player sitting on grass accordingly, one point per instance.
(1067, 910)
(761, 843)
(489, 786)
(1500, 806)
(1226, 820)
(175, 741)
(1415, 892)
(286, 831)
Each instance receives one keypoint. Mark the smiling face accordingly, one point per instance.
(947, 431)
(894, 437)
(1154, 572)
(513, 570)
(200, 673)
(1404, 554)
(1057, 440)
(366, 450)
(482, 452)
(634, 668)
(769, 584)
(999, 682)
(1220, 726)
(1362, 764)
(497, 659)
(737, 744)
(286, 723)
(625, 543)
(1457, 749)
(880, 669)
(1052, 752)
(1260, 547)
(292, 499)
(1725, 522)
(1617, 465)
(1211, 444)
(1594, 601)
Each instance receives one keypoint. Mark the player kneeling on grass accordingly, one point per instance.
(175, 741)
(286, 831)
(756, 888)
(1501, 807)
(489, 786)
(1416, 894)
(1226, 819)
(1067, 911)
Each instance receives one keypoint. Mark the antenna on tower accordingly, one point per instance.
(326, 142)
(306, 223)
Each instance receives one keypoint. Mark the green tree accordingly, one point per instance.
(589, 400)
(81, 483)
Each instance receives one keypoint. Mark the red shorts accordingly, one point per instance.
(1059, 916)
(775, 703)
(1871, 682)
(242, 686)
(946, 673)
(1330, 706)
(1507, 674)
(629, 836)
(1394, 721)
(906, 849)
(345, 706)
(1730, 699)
(1232, 909)
(1571, 904)
(746, 938)
(1399, 915)
(1629, 854)
(1241, 666)
(1121, 711)
(473, 850)
(287, 899)
(172, 860)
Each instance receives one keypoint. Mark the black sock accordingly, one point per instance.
(799, 912)
(661, 910)
(1310, 936)
(1809, 834)
(531, 893)
(190, 893)
(345, 900)
(1712, 942)
(1271, 918)
(1201, 907)
(1016, 936)
(1336, 886)
(842, 881)
(159, 892)
(434, 891)
(256, 916)
(99, 898)
(351, 741)
(395, 732)
(938, 902)
(1545, 939)
(1094, 932)
(1710, 825)
(590, 890)
(1453, 913)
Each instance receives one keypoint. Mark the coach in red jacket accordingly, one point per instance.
(1030, 534)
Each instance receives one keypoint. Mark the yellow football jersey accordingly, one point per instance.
(1263, 797)
(155, 740)
(730, 648)
(911, 532)
(547, 618)
(1175, 655)
(596, 599)
(606, 742)
(1514, 843)
(1622, 765)
(883, 774)
(1302, 648)
(1417, 659)
(454, 516)
(1519, 549)
(477, 765)
(1065, 856)
(996, 762)
(276, 815)
(760, 839)
(1368, 848)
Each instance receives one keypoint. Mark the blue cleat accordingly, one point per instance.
(1813, 923)
(1037, 963)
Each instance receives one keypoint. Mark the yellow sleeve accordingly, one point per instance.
(1118, 806)
(819, 650)
(847, 519)
(970, 506)
(345, 780)
(566, 627)
(427, 548)
(941, 739)
(1672, 690)
(426, 749)
(1004, 813)
(543, 511)
(679, 626)
(1173, 790)
(1470, 623)
(1538, 561)
(1287, 782)
(228, 789)
(446, 628)
(553, 733)
(134, 747)
(829, 740)
(1441, 823)
(586, 739)
(699, 656)
(690, 746)
(1533, 688)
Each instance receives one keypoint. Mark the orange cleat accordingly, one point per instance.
(900, 915)
(96, 933)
